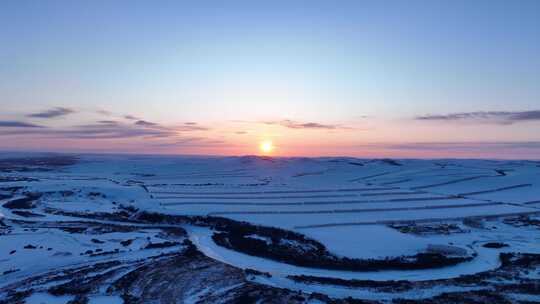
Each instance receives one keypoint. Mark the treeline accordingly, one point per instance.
(319, 257)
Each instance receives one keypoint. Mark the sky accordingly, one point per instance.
(399, 78)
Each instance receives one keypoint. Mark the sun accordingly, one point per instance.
(266, 147)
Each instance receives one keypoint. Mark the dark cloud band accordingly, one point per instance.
(52, 113)
(18, 124)
(497, 117)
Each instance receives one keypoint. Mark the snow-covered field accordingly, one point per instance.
(62, 212)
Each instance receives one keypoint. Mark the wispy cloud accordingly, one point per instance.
(449, 146)
(131, 117)
(91, 131)
(192, 142)
(103, 129)
(470, 149)
(52, 113)
(291, 124)
(17, 124)
(186, 127)
(111, 126)
(190, 127)
(496, 117)
(144, 123)
(109, 122)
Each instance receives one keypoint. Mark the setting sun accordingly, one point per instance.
(266, 146)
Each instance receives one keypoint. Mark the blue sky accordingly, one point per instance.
(367, 65)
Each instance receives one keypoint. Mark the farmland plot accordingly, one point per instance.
(122, 228)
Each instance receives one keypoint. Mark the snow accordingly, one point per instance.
(367, 241)
(105, 300)
(344, 203)
(45, 298)
(67, 249)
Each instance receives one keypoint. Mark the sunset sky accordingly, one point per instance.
(316, 78)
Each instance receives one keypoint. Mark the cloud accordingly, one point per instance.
(496, 117)
(111, 126)
(449, 146)
(102, 129)
(99, 130)
(186, 127)
(471, 149)
(52, 113)
(457, 149)
(144, 123)
(131, 117)
(189, 128)
(192, 142)
(94, 133)
(109, 122)
(18, 124)
(291, 124)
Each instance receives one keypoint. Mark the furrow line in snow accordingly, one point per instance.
(371, 176)
(358, 210)
(495, 190)
(279, 191)
(393, 193)
(426, 220)
(254, 197)
(397, 182)
(455, 181)
(397, 200)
